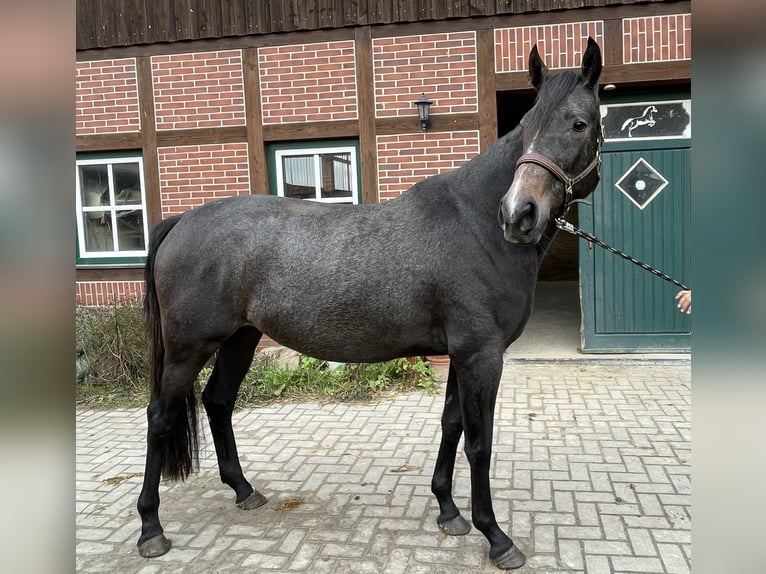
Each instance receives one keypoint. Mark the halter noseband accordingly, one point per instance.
(560, 174)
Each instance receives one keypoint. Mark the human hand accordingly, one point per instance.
(684, 299)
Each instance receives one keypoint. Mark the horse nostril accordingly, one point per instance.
(502, 214)
(527, 217)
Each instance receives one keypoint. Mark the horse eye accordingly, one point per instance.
(580, 126)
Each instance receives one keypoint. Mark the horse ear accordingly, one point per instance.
(538, 71)
(591, 64)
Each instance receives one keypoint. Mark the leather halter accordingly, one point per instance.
(560, 174)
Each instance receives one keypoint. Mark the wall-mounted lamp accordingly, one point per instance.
(424, 112)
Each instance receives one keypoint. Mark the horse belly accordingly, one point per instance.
(342, 326)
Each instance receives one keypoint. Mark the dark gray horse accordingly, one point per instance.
(448, 268)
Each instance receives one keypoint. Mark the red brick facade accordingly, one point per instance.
(657, 39)
(560, 45)
(193, 175)
(317, 82)
(308, 82)
(443, 66)
(405, 159)
(199, 90)
(106, 97)
(97, 293)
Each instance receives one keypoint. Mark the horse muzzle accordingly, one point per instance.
(523, 210)
(519, 222)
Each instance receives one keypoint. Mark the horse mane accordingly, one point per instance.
(551, 94)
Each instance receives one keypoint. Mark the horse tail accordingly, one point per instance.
(180, 447)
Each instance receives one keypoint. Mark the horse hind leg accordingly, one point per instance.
(233, 361)
(171, 446)
(450, 520)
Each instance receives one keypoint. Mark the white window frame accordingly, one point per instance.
(111, 209)
(317, 152)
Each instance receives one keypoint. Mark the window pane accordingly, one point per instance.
(98, 231)
(298, 175)
(127, 183)
(94, 187)
(130, 230)
(336, 175)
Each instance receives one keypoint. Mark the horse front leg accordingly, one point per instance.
(450, 521)
(478, 377)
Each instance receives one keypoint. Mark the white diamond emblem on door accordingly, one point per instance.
(641, 183)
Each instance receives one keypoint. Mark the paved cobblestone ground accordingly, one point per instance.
(591, 473)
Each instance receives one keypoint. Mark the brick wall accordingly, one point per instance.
(405, 159)
(657, 39)
(106, 96)
(96, 293)
(199, 90)
(193, 175)
(443, 66)
(560, 45)
(308, 82)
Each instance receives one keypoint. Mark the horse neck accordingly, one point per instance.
(486, 178)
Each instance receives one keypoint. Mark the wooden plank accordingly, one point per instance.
(311, 130)
(108, 23)
(323, 13)
(101, 273)
(365, 97)
(380, 12)
(161, 16)
(439, 123)
(622, 74)
(362, 11)
(202, 136)
(279, 14)
(233, 18)
(112, 142)
(181, 19)
(640, 74)
(612, 47)
(306, 16)
(256, 152)
(352, 11)
(485, 80)
(149, 140)
(209, 18)
(207, 45)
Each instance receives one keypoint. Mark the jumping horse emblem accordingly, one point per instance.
(645, 119)
(462, 248)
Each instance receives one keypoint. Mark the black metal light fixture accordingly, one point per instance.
(424, 112)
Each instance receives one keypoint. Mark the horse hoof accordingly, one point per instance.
(511, 559)
(253, 501)
(457, 526)
(154, 547)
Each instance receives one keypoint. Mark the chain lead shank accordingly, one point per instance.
(569, 228)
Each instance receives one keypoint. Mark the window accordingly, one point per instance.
(325, 172)
(111, 210)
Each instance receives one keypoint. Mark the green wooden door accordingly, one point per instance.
(641, 206)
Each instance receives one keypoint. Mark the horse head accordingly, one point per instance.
(561, 137)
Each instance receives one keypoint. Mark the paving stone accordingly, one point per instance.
(591, 473)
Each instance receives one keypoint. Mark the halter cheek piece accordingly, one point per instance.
(560, 174)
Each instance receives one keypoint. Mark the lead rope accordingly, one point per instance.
(564, 225)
